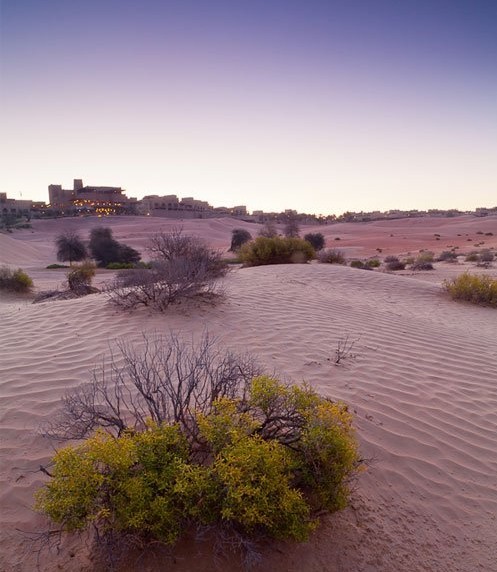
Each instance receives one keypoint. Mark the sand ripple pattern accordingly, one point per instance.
(421, 378)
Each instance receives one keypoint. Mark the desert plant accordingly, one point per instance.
(331, 256)
(70, 247)
(239, 236)
(79, 279)
(486, 256)
(184, 267)
(291, 228)
(316, 239)
(447, 256)
(56, 266)
(105, 249)
(481, 290)
(423, 262)
(189, 436)
(472, 257)
(393, 263)
(14, 280)
(357, 264)
(268, 229)
(276, 250)
(373, 263)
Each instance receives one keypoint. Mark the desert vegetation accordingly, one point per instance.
(276, 250)
(393, 263)
(331, 256)
(239, 237)
(105, 249)
(14, 280)
(70, 247)
(316, 239)
(481, 290)
(182, 267)
(183, 435)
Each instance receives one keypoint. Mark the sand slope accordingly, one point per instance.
(423, 386)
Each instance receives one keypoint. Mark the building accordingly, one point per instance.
(99, 200)
(14, 206)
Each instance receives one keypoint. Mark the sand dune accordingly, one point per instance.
(421, 379)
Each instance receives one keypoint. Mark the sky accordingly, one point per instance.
(318, 106)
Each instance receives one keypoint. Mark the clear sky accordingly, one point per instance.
(317, 106)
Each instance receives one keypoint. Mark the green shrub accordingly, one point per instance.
(480, 290)
(373, 263)
(55, 266)
(276, 250)
(119, 266)
(331, 256)
(316, 239)
(357, 264)
(14, 280)
(263, 458)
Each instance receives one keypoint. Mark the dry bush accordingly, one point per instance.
(167, 381)
(331, 256)
(80, 277)
(184, 267)
(393, 263)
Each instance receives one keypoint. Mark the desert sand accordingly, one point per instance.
(421, 380)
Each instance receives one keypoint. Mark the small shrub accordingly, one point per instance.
(481, 290)
(331, 256)
(486, 256)
(316, 240)
(489, 234)
(239, 236)
(80, 278)
(14, 280)
(194, 438)
(183, 268)
(472, 257)
(55, 266)
(269, 229)
(373, 263)
(276, 250)
(120, 266)
(447, 256)
(393, 263)
(291, 228)
(423, 262)
(357, 264)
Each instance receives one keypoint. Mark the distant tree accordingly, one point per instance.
(105, 248)
(268, 229)
(239, 236)
(291, 229)
(70, 247)
(316, 239)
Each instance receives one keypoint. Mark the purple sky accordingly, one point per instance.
(318, 106)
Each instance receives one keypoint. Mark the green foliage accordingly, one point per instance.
(423, 262)
(120, 266)
(331, 256)
(481, 290)
(316, 239)
(239, 236)
(276, 250)
(55, 266)
(358, 264)
(262, 464)
(70, 247)
(14, 280)
(373, 263)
